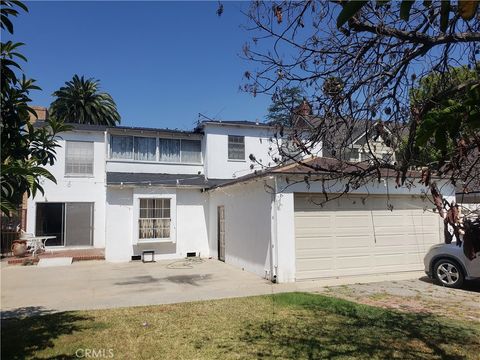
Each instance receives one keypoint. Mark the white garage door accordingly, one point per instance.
(358, 235)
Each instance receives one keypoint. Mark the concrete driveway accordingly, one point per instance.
(96, 285)
(31, 290)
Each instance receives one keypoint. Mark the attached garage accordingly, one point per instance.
(358, 235)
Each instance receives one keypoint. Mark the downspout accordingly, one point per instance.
(274, 237)
(106, 154)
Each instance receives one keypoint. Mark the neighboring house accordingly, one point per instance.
(181, 193)
(356, 141)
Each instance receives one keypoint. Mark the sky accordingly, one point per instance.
(162, 62)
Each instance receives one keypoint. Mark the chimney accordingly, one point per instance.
(42, 114)
(304, 109)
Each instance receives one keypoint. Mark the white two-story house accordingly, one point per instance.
(180, 193)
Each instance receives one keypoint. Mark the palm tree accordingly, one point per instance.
(80, 101)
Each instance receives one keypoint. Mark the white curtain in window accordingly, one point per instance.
(191, 151)
(145, 148)
(169, 150)
(121, 147)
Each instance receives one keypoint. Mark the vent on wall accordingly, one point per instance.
(136, 257)
(191, 254)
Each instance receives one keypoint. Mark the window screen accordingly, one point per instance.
(154, 219)
(236, 147)
(79, 158)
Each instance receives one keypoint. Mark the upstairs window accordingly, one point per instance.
(145, 148)
(138, 148)
(191, 151)
(169, 150)
(236, 147)
(79, 158)
(121, 147)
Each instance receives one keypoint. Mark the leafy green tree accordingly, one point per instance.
(80, 101)
(25, 150)
(284, 102)
(465, 9)
(453, 118)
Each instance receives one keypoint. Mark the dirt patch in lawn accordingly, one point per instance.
(417, 296)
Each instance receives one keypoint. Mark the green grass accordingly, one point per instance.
(284, 326)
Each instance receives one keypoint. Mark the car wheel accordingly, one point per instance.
(448, 273)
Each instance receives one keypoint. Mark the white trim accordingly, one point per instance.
(152, 193)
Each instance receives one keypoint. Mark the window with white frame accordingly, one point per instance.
(137, 148)
(236, 147)
(154, 219)
(79, 158)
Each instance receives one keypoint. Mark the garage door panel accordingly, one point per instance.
(315, 242)
(343, 233)
(313, 264)
(354, 261)
(303, 254)
(354, 237)
(316, 221)
(360, 241)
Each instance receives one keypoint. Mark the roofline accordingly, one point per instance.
(272, 172)
(153, 130)
(234, 124)
(135, 184)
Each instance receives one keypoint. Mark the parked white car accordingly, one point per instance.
(448, 265)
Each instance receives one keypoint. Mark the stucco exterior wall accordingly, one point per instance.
(217, 165)
(189, 213)
(247, 225)
(76, 189)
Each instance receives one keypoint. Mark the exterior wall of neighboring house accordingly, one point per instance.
(360, 150)
(248, 225)
(217, 164)
(189, 217)
(470, 203)
(76, 189)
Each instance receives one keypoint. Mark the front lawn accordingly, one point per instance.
(284, 326)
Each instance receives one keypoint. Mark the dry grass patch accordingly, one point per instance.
(283, 326)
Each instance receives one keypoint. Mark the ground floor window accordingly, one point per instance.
(154, 219)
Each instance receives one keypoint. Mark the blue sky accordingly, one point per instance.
(163, 62)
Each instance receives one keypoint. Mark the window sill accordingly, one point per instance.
(236, 160)
(154, 241)
(71, 176)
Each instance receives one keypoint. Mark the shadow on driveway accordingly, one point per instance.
(193, 280)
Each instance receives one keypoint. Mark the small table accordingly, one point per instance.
(37, 243)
